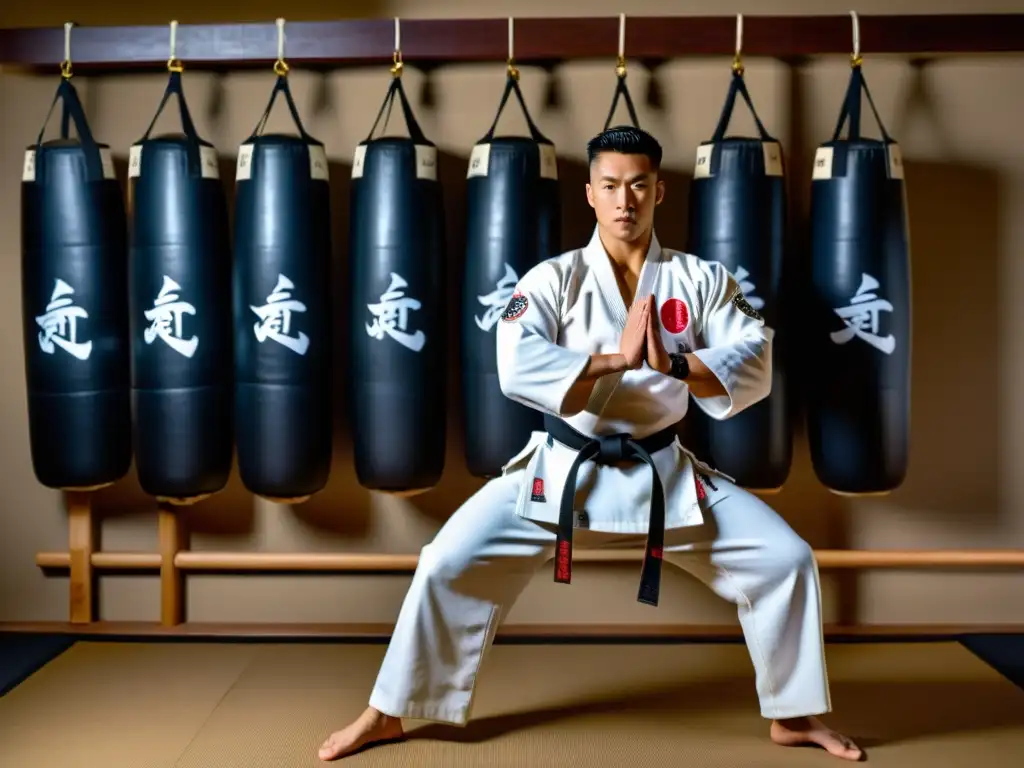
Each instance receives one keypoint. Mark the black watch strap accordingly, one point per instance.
(680, 366)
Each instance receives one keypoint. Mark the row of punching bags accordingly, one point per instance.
(137, 360)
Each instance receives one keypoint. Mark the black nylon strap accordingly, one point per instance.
(608, 450)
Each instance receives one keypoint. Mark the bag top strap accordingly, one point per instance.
(512, 86)
(72, 111)
(281, 86)
(396, 89)
(738, 86)
(852, 108)
(621, 89)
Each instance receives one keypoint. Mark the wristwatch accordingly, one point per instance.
(680, 366)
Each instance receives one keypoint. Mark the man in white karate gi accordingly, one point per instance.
(609, 342)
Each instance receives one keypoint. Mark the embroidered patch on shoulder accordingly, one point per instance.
(744, 306)
(516, 308)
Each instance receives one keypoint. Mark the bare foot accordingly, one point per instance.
(800, 731)
(371, 727)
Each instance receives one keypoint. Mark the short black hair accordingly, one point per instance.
(628, 140)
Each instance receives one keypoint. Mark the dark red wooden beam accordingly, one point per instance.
(477, 40)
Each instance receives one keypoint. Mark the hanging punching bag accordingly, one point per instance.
(738, 218)
(180, 312)
(282, 308)
(397, 316)
(74, 299)
(859, 387)
(513, 223)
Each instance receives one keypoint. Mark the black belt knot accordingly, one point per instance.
(611, 449)
(608, 450)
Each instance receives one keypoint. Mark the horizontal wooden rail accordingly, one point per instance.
(540, 633)
(269, 562)
(536, 39)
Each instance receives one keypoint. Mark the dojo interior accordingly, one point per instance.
(222, 661)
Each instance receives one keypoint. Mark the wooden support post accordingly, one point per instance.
(173, 539)
(81, 543)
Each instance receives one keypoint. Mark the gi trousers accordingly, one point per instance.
(485, 555)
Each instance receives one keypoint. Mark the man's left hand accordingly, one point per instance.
(657, 356)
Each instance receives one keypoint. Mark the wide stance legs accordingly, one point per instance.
(471, 574)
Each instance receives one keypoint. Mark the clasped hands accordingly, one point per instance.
(641, 338)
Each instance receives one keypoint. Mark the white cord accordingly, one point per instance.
(398, 35)
(280, 39)
(739, 34)
(174, 40)
(511, 39)
(67, 40)
(856, 35)
(622, 35)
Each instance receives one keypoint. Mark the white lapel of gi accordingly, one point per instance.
(598, 260)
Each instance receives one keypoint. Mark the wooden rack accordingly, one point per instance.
(536, 40)
(174, 560)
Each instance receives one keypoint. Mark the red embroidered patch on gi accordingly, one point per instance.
(701, 491)
(516, 308)
(675, 315)
(538, 490)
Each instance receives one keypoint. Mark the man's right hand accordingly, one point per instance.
(633, 342)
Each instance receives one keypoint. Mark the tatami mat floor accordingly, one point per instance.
(220, 705)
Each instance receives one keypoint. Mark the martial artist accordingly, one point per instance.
(611, 340)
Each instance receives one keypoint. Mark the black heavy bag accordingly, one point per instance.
(398, 370)
(180, 312)
(74, 299)
(282, 307)
(738, 218)
(513, 223)
(859, 378)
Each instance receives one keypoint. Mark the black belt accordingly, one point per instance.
(608, 450)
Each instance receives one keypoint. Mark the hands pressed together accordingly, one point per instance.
(641, 338)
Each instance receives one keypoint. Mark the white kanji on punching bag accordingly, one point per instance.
(393, 316)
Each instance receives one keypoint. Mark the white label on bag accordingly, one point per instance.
(895, 161)
(426, 162)
(702, 166)
(208, 162)
(822, 163)
(479, 161)
(357, 162)
(772, 158)
(318, 167)
(243, 166)
(28, 170)
(548, 162)
(107, 163)
(135, 161)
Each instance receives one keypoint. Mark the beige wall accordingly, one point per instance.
(959, 122)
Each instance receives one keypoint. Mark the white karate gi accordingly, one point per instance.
(564, 310)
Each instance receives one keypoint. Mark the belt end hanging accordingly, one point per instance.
(563, 561)
(650, 577)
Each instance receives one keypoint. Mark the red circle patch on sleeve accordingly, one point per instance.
(675, 316)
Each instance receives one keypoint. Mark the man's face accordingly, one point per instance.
(623, 191)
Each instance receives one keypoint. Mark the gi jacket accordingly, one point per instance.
(568, 308)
